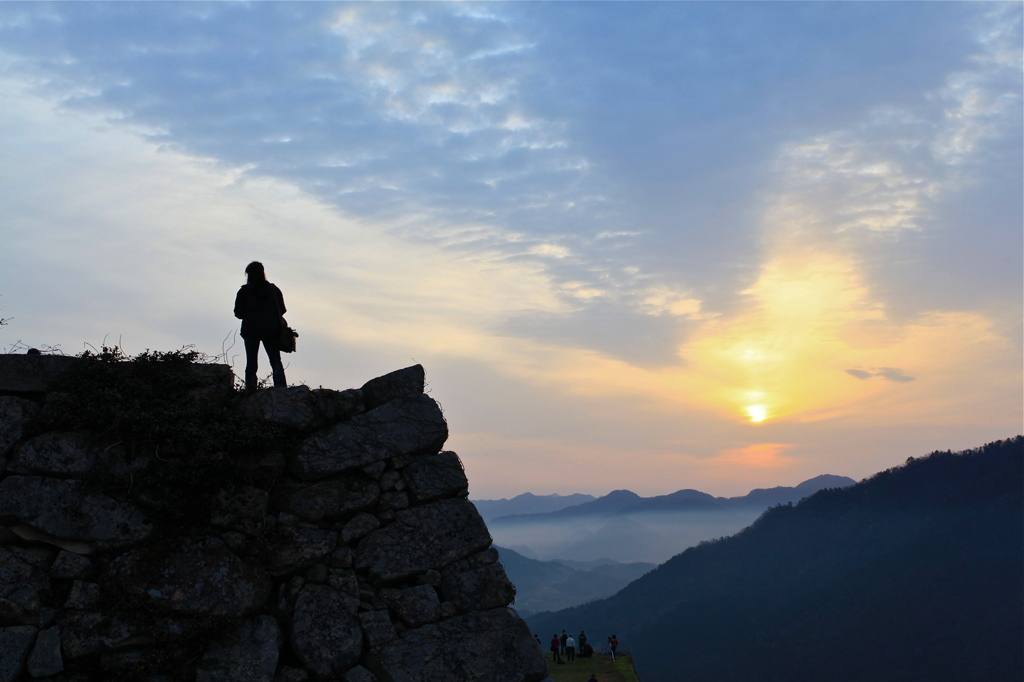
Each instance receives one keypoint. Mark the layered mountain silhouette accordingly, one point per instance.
(547, 585)
(625, 527)
(912, 574)
(528, 503)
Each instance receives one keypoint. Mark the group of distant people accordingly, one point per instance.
(567, 646)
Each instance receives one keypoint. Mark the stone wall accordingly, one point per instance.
(349, 554)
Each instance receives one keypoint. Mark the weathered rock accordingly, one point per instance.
(402, 427)
(15, 414)
(46, 659)
(265, 466)
(68, 566)
(296, 548)
(338, 406)
(325, 631)
(125, 661)
(20, 583)
(377, 627)
(488, 645)
(415, 605)
(432, 578)
(287, 593)
(289, 674)
(84, 596)
(248, 653)
(481, 588)
(394, 500)
(342, 557)
(68, 509)
(86, 632)
(423, 538)
(402, 383)
(328, 499)
(62, 453)
(242, 508)
(48, 616)
(289, 406)
(431, 478)
(344, 581)
(317, 573)
(209, 381)
(359, 674)
(484, 557)
(15, 643)
(193, 576)
(33, 373)
(374, 469)
(359, 526)
(389, 479)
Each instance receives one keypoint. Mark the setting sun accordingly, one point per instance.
(757, 413)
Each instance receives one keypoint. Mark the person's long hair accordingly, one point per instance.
(254, 273)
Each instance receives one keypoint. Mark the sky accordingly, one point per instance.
(637, 245)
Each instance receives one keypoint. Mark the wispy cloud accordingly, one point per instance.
(889, 373)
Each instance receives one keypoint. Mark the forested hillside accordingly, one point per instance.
(913, 574)
(553, 584)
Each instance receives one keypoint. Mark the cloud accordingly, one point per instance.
(538, 133)
(757, 456)
(890, 373)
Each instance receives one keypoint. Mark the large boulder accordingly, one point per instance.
(325, 631)
(195, 576)
(435, 477)
(33, 373)
(328, 499)
(402, 383)
(288, 406)
(293, 548)
(46, 659)
(415, 606)
(21, 580)
(246, 653)
(73, 453)
(15, 643)
(88, 632)
(400, 428)
(486, 587)
(491, 645)
(69, 509)
(423, 538)
(15, 414)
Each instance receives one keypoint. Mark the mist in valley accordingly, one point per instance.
(648, 537)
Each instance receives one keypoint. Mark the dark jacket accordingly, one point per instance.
(254, 306)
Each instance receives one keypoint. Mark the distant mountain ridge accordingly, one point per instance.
(628, 502)
(528, 503)
(623, 527)
(912, 574)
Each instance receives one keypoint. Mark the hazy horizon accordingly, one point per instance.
(654, 246)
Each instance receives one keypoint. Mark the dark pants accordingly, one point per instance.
(252, 350)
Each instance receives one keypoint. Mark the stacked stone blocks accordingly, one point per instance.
(352, 555)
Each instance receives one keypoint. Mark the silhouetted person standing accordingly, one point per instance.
(260, 305)
(555, 645)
